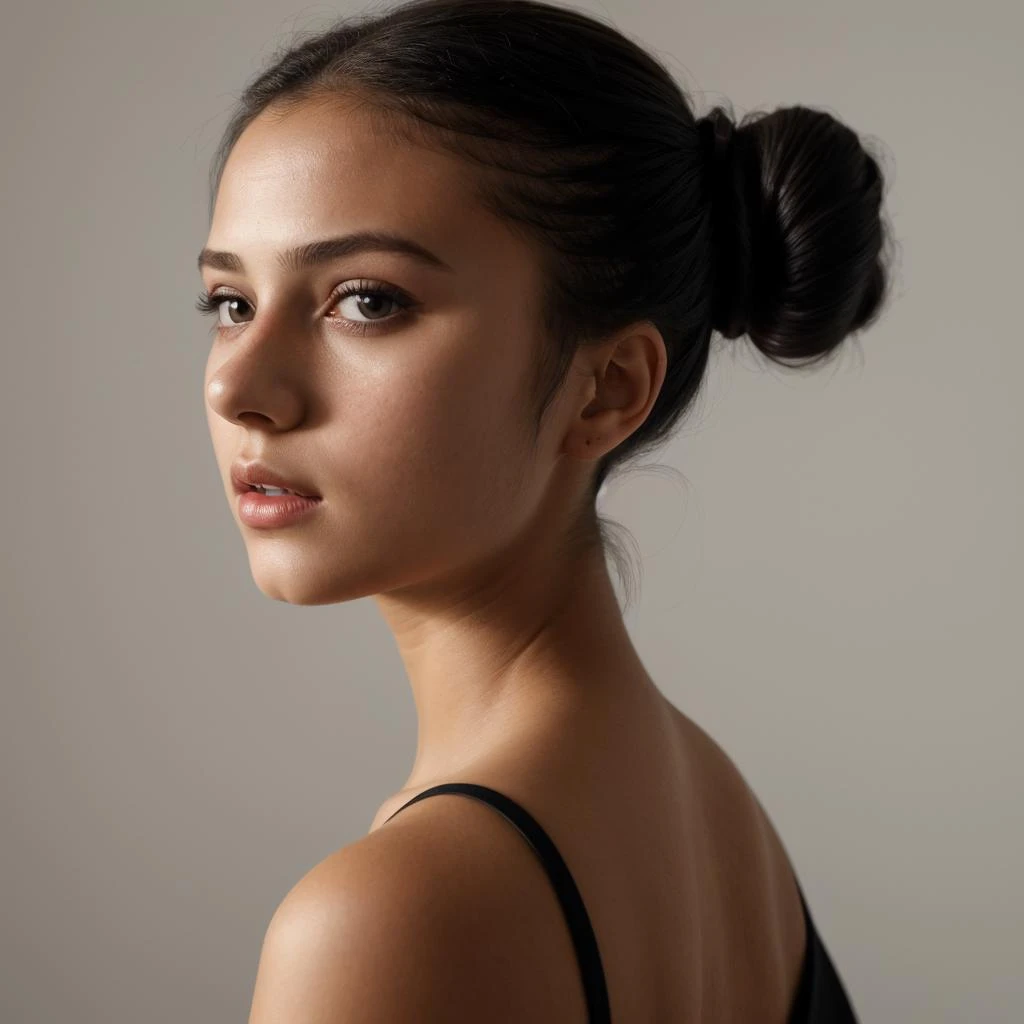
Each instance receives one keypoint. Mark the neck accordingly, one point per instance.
(516, 653)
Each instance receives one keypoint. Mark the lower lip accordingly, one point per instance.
(267, 511)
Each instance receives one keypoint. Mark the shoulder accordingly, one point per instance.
(426, 922)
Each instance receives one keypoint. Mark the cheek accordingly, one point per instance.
(447, 444)
(457, 441)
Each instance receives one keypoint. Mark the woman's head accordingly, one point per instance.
(594, 233)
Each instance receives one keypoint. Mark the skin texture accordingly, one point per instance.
(440, 504)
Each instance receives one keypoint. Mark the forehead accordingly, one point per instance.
(326, 167)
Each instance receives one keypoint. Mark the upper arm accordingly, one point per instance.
(376, 935)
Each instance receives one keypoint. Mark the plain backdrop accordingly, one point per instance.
(832, 561)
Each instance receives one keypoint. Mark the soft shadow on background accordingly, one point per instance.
(832, 562)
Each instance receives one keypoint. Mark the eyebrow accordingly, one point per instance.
(314, 253)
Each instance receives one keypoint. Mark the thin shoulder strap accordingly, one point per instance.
(568, 894)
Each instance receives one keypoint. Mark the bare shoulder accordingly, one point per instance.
(741, 821)
(423, 920)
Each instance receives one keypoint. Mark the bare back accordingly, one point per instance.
(691, 896)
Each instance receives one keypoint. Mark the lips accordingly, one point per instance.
(246, 475)
(287, 493)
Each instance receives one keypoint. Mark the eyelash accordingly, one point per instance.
(208, 304)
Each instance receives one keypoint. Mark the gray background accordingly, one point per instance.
(832, 560)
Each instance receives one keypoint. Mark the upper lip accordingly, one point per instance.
(245, 474)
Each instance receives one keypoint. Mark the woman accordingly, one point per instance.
(465, 258)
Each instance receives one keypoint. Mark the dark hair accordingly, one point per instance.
(770, 228)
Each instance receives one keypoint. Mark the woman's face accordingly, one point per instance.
(412, 424)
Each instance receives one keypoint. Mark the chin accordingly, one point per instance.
(294, 584)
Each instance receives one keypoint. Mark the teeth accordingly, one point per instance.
(272, 490)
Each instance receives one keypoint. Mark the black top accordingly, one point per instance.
(820, 996)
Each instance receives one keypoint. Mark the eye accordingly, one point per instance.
(378, 294)
(207, 304)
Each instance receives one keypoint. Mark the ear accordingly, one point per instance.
(619, 381)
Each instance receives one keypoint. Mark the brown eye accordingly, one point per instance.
(372, 304)
(232, 303)
(207, 304)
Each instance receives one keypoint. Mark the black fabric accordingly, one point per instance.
(820, 997)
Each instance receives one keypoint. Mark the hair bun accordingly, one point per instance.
(797, 230)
